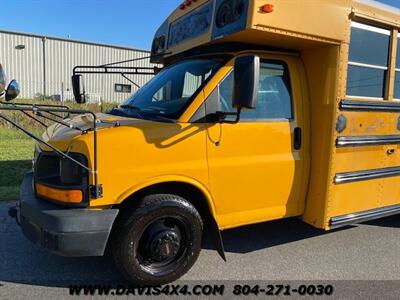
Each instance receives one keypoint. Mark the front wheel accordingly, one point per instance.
(159, 241)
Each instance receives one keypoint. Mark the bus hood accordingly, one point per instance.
(62, 137)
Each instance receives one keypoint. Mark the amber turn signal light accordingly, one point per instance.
(187, 3)
(267, 8)
(67, 196)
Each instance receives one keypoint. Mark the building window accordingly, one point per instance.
(397, 78)
(274, 95)
(368, 61)
(122, 88)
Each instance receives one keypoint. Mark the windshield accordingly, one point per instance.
(172, 90)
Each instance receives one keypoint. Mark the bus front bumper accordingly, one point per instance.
(63, 231)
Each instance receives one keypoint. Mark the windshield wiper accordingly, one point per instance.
(153, 114)
(133, 107)
(130, 107)
(158, 117)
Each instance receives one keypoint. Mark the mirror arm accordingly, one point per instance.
(221, 116)
(131, 81)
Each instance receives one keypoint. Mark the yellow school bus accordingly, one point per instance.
(265, 109)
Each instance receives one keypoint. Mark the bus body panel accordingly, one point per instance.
(325, 180)
(325, 57)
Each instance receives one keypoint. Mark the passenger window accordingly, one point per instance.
(397, 78)
(274, 95)
(368, 61)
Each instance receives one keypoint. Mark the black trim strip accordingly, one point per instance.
(363, 216)
(381, 106)
(353, 141)
(348, 177)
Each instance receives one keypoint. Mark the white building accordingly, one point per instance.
(43, 65)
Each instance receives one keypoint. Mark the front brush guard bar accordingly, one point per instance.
(36, 109)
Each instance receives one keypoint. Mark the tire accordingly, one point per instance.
(159, 241)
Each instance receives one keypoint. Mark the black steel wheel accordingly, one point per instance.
(159, 241)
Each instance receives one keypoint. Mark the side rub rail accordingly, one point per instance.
(363, 216)
(348, 177)
(374, 106)
(372, 140)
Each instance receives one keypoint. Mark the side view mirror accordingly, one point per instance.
(13, 90)
(78, 89)
(246, 82)
(2, 80)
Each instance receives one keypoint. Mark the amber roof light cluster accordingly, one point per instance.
(187, 3)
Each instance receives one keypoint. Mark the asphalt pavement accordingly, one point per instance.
(285, 250)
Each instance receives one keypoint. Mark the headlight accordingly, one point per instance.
(70, 172)
(62, 180)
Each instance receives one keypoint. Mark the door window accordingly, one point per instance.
(274, 96)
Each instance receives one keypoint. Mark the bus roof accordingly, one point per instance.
(380, 5)
(290, 24)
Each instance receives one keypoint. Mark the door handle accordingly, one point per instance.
(297, 138)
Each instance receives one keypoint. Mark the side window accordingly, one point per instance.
(397, 78)
(274, 95)
(192, 83)
(368, 61)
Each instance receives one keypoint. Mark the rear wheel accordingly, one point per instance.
(159, 241)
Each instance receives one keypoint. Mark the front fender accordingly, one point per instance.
(167, 179)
